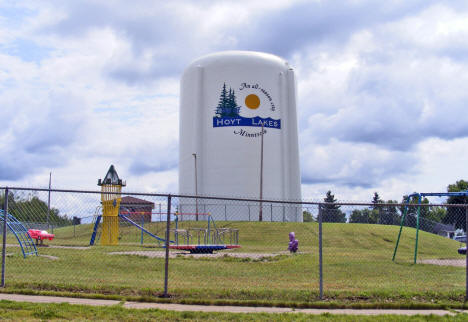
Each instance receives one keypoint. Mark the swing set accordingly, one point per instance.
(418, 212)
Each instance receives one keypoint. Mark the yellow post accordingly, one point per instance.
(111, 187)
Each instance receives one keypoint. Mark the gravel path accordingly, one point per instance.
(444, 262)
(202, 308)
(156, 254)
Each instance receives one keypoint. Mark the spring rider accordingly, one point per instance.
(111, 186)
(293, 243)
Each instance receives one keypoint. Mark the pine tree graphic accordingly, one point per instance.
(227, 105)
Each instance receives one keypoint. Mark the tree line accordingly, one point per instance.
(383, 212)
(30, 208)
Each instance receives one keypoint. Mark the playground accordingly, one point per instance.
(122, 251)
(357, 263)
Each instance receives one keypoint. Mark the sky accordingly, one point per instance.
(382, 89)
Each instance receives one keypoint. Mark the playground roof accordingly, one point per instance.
(111, 178)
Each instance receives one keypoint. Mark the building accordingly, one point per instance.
(136, 209)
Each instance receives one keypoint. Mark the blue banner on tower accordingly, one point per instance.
(246, 121)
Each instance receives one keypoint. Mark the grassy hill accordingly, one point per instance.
(273, 237)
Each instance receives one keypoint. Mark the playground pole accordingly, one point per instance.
(5, 216)
(166, 261)
(405, 211)
(320, 252)
(417, 228)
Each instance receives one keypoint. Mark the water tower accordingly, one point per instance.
(230, 102)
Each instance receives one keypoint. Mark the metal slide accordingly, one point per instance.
(21, 234)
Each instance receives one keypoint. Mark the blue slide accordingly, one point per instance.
(21, 233)
(143, 229)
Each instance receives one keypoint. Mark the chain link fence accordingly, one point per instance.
(237, 249)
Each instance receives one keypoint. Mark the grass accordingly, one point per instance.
(357, 267)
(50, 312)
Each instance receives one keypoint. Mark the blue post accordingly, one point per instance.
(142, 225)
(209, 239)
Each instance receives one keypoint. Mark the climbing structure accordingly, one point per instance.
(111, 187)
(21, 234)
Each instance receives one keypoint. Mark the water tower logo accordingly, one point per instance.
(227, 113)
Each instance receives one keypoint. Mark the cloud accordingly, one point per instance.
(380, 90)
(353, 165)
(311, 24)
(87, 84)
(38, 134)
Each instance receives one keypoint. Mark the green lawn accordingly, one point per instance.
(357, 266)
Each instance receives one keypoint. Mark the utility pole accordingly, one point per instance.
(196, 186)
(260, 214)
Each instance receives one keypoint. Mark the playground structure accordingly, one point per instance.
(111, 187)
(203, 240)
(24, 239)
(418, 212)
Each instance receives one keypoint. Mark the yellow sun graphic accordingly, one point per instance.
(252, 101)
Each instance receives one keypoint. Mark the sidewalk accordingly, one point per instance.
(213, 308)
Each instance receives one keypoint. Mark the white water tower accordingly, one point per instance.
(225, 99)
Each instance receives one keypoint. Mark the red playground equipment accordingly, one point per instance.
(40, 235)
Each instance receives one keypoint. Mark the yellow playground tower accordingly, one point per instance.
(111, 187)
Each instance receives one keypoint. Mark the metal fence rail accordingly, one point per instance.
(213, 247)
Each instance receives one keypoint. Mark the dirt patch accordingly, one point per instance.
(49, 257)
(53, 246)
(162, 254)
(444, 262)
(70, 247)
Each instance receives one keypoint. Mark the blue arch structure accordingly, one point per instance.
(21, 234)
(420, 196)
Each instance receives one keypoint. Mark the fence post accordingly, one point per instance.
(166, 263)
(225, 212)
(320, 252)
(466, 244)
(5, 216)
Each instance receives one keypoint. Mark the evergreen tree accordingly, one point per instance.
(222, 107)
(377, 210)
(234, 109)
(331, 211)
(376, 200)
